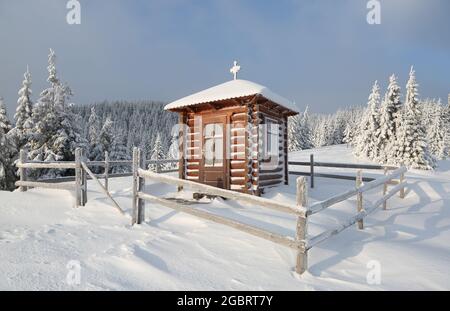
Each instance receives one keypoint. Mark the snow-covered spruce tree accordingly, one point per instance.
(411, 144)
(7, 175)
(367, 144)
(93, 133)
(104, 140)
(348, 134)
(23, 113)
(304, 136)
(293, 130)
(436, 134)
(299, 132)
(389, 121)
(119, 152)
(446, 125)
(5, 124)
(157, 153)
(56, 128)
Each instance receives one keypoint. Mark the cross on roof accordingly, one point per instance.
(235, 69)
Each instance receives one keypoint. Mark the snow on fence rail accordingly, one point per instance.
(77, 183)
(311, 164)
(302, 210)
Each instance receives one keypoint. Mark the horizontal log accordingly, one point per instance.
(351, 221)
(318, 206)
(270, 236)
(344, 165)
(270, 176)
(276, 170)
(42, 165)
(209, 190)
(333, 176)
(49, 185)
(267, 183)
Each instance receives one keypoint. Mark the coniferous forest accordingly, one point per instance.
(395, 127)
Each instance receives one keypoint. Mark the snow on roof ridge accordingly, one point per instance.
(228, 90)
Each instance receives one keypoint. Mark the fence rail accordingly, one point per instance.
(312, 174)
(78, 183)
(302, 210)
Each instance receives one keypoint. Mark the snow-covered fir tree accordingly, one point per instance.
(93, 133)
(389, 121)
(157, 153)
(436, 134)
(367, 144)
(23, 113)
(411, 143)
(348, 134)
(7, 175)
(293, 129)
(56, 131)
(5, 124)
(106, 138)
(119, 152)
(299, 132)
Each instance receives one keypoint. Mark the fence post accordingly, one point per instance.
(385, 187)
(402, 190)
(22, 170)
(140, 187)
(302, 201)
(311, 163)
(83, 180)
(106, 170)
(158, 165)
(136, 156)
(359, 197)
(77, 177)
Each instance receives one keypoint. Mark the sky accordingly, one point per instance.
(318, 53)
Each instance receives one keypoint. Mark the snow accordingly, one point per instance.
(40, 232)
(233, 89)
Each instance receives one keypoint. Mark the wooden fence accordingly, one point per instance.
(312, 174)
(301, 243)
(78, 182)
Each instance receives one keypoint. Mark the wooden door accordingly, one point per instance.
(213, 170)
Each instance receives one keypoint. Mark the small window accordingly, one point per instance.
(213, 147)
(272, 139)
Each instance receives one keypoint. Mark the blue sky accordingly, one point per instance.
(320, 53)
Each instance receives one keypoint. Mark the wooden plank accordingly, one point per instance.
(273, 237)
(86, 168)
(267, 183)
(264, 177)
(311, 170)
(141, 186)
(301, 230)
(77, 177)
(327, 234)
(344, 165)
(359, 198)
(106, 170)
(332, 176)
(318, 206)
(209, 190)
(39, 184)
(385, 188)
(22, 170)
(136, 156)
(56, 165)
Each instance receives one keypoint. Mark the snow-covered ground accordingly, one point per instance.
(41, 232)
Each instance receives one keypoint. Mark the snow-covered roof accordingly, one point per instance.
(228, 90)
